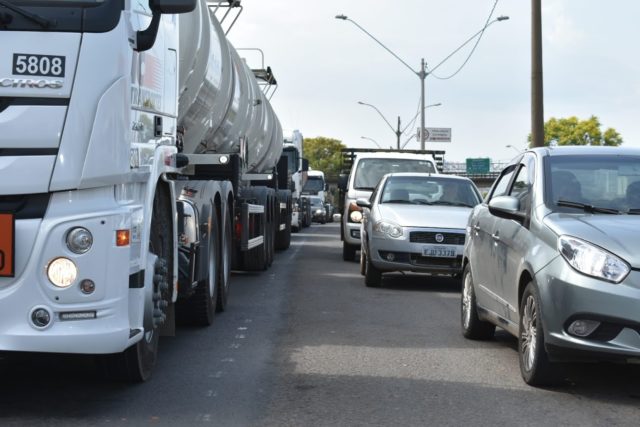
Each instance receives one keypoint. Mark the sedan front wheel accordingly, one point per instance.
(472, 327)
(372, 276)
(535, 366)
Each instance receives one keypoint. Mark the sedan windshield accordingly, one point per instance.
(595, 183)
(429, 190)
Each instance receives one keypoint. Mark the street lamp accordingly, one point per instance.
(372, 140)
(422, 73)
(398, 132)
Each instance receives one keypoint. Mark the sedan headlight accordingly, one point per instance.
(592, 260)
(387, 228)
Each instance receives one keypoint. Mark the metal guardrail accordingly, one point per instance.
(460, 168)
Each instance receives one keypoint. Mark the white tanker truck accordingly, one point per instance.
(138, 165)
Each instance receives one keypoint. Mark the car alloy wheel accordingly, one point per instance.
(528, 334)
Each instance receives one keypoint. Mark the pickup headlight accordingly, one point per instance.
(592, 260)
(387, 228)
(355, 213)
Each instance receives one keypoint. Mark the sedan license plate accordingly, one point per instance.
(7, 244)
(439, 251)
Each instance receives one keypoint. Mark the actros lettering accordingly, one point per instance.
(32, 83)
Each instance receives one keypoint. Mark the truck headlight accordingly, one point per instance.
(79, 240)
(388, 229)
(592, 260)
(62, 272)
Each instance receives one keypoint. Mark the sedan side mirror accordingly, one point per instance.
(363, 203)
(506, 207)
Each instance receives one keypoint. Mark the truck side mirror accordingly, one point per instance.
(172, 6)
(305, 165)
(146, 38)
(343, 178)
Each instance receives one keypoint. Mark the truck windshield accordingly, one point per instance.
(369, 171)
(93, 16)
(314, 185)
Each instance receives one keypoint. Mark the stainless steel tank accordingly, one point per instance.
(220, 102)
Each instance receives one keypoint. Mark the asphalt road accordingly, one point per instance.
(307, 344)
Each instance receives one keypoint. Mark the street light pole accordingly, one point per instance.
(422, 74)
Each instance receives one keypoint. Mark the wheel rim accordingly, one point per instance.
(466, 301)
(529, 331)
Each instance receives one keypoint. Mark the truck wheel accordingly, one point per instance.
(348, 252)
(136, 363)
(271, 228)
(203, 302)
(472, 327)
(225, 262)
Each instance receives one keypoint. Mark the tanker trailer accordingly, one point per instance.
(242, 145)
(152, 176)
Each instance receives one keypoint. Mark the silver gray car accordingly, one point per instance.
(553, 257)
(415, 222)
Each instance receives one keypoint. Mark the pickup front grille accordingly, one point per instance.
(430, 237)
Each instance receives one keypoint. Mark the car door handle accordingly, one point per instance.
(495, 237)
(476, 227)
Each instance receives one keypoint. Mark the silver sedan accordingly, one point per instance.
(553, 257)
(415, 222)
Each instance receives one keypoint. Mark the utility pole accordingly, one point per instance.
(398, 134)
(422, 75)
(537, 100)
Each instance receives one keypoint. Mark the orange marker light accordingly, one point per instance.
(122, 238)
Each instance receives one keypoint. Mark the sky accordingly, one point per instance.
(324, 66)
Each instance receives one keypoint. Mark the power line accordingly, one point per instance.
(472, 50)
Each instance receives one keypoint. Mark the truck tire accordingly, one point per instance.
(136, 363)
(348, 252)
(226, 253)
(200, 308)
(272, 226)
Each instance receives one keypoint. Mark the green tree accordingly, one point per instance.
(573, 131)
(324, 155)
